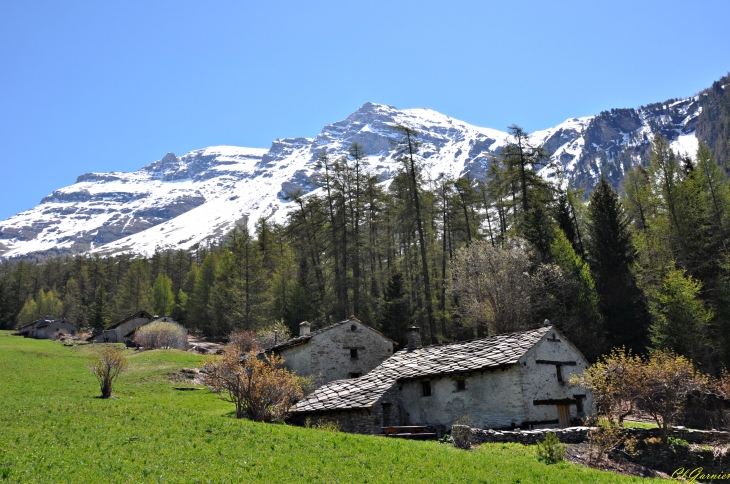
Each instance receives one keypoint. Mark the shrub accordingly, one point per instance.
(606, 437)
(461, 436)
(244, 341)
(664, 384)
(259, 388)
(612, 380)
(551, 450)
(106, 366)
(677, 442)
(326, 425)
(162, 334)
(659, 384)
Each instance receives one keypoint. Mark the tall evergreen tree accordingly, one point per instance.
(163, 299)
(407, 149)
(610, 256)
(100, 310)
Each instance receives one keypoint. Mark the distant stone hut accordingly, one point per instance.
(123, 331)
(48, 328)
(348, 349)
(513, 380)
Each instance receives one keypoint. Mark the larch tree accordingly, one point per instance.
(407, 148)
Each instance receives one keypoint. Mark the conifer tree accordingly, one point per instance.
(681, 322)
(100, 316)
(610, 256)
(396, 311)
(163, 299)
(134, 290)
(407, 149)
(73, 310)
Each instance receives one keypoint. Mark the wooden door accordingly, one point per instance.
(563, 416)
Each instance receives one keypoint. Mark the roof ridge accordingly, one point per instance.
(364, 391)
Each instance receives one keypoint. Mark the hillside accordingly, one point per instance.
(55, 430)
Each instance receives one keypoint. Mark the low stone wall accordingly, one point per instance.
(576, 435)
(691, 436)
(572, 435)
(680, 461)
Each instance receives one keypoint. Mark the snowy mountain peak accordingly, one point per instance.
(180, 201)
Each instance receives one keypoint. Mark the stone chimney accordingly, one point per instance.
(304, 328)
(414, 337)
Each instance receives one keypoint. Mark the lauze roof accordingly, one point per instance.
(487, 353)
(298, 340)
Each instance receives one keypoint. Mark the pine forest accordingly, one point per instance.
(644, 265)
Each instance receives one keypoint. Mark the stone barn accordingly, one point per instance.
(505, 381)
(348, 349)
(123, 331)
(48, 328)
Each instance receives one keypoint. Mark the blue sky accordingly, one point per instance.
(103, 86)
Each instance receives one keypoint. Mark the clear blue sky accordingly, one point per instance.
(102, 86)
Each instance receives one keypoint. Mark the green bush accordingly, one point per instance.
(551, 450)
(676, 442)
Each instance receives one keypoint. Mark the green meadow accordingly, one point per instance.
(53, 428)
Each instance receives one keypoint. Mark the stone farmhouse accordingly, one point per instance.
(505, 381)
(347, 349)
(48, 328)
(123, 331)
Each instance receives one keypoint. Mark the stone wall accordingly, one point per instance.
(331, 351)
(540, 380)
(298, 359)
(488, 399)
(572, 435)
(576, 435)
(361, 421)
(677, 460)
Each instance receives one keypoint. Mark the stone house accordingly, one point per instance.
(48, 328)
(505, 381)
(347, 349)
(123, 331)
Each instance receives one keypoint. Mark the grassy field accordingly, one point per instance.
(54, 429)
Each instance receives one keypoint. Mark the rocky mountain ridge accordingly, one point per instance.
(177, 202)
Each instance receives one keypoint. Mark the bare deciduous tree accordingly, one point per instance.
(106, 366)
(259, 388)
(244, 341)
(498, 288)
(658, 384)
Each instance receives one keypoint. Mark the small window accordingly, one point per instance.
(460, 384)
(355, 375)
(353, 353)
(426, 385)
(353, 327)
(559, 370)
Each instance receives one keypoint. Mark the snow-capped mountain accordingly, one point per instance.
(178, 202)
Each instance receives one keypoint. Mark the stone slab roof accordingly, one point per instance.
(496, 351)
(298, 340)
(138, 314)
(46, 322)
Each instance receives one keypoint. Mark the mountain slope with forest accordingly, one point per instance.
(178, 202)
